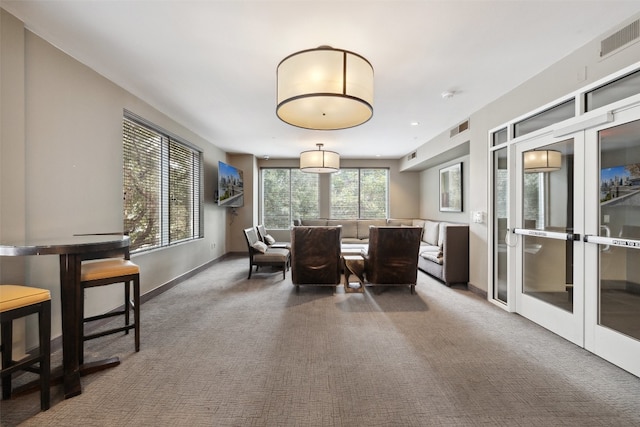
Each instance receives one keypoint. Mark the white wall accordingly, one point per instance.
(62, 165)
(12, 156)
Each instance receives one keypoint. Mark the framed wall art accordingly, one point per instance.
(451, 188)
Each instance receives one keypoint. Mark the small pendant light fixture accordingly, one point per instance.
(319, 161)
(324, 89)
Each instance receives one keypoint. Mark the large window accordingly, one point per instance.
(287, 194)
(360, 193)
(161, 186)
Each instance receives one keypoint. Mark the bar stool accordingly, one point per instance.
(16, 302)
(108, 272)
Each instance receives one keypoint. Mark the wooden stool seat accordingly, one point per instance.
(16, 302)
(16, 296)
(102, 269)
(110, 271)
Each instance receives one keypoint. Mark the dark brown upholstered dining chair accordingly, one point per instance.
(262, 255)
(392, 257)
(315, 256)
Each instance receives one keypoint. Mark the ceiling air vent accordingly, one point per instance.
(620, 38)
(459, 129)
(411, 156)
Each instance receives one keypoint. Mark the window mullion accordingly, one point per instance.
(359, 193)
(164, 191)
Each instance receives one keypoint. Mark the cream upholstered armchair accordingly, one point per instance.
(262, 255)
(315, 256)
(269, 240)
(392, 257)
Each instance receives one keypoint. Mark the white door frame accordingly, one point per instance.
(569, 325)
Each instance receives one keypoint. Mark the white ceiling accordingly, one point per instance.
(211, 65)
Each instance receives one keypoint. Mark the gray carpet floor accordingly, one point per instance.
(221, 350)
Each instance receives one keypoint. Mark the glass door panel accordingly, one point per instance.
(500, 209)
(612, 248)
(619, 257)
(548, 224)
(549, 284)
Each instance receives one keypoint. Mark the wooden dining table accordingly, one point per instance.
(72, 250)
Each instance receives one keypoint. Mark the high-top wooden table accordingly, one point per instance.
(71, 250)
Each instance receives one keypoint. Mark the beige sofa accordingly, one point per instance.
(444, 249)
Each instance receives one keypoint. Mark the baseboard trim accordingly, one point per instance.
(476, 290)
(172, 283)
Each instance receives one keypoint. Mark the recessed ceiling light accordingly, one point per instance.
(415, 123)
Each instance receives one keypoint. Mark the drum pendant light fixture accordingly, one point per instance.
(542, 161)
(319, 161)
(324, 89)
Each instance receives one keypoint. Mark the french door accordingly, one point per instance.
(549, 221)
(576, 236)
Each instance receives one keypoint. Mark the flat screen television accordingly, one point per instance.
(230, 186)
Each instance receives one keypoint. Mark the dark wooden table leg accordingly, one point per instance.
(72, 325)
(71, 321)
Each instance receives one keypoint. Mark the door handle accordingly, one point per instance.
(548, 234)
(607, 233)
(613, 241)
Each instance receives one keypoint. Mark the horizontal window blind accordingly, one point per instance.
(360, 193)
(345, 187)
(373, 193)
(162, 187)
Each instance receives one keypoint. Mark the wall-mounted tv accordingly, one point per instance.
(230, 186)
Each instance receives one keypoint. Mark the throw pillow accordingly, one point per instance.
(269, 240)
(441, 234)
(260, 246)
(430, 234)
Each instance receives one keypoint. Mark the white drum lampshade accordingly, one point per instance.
(325, 89)
(319, 161)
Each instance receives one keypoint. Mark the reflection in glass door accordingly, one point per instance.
(548, 222)
(619, 278)
(549, 288)
(619, 229)
(612, 253)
